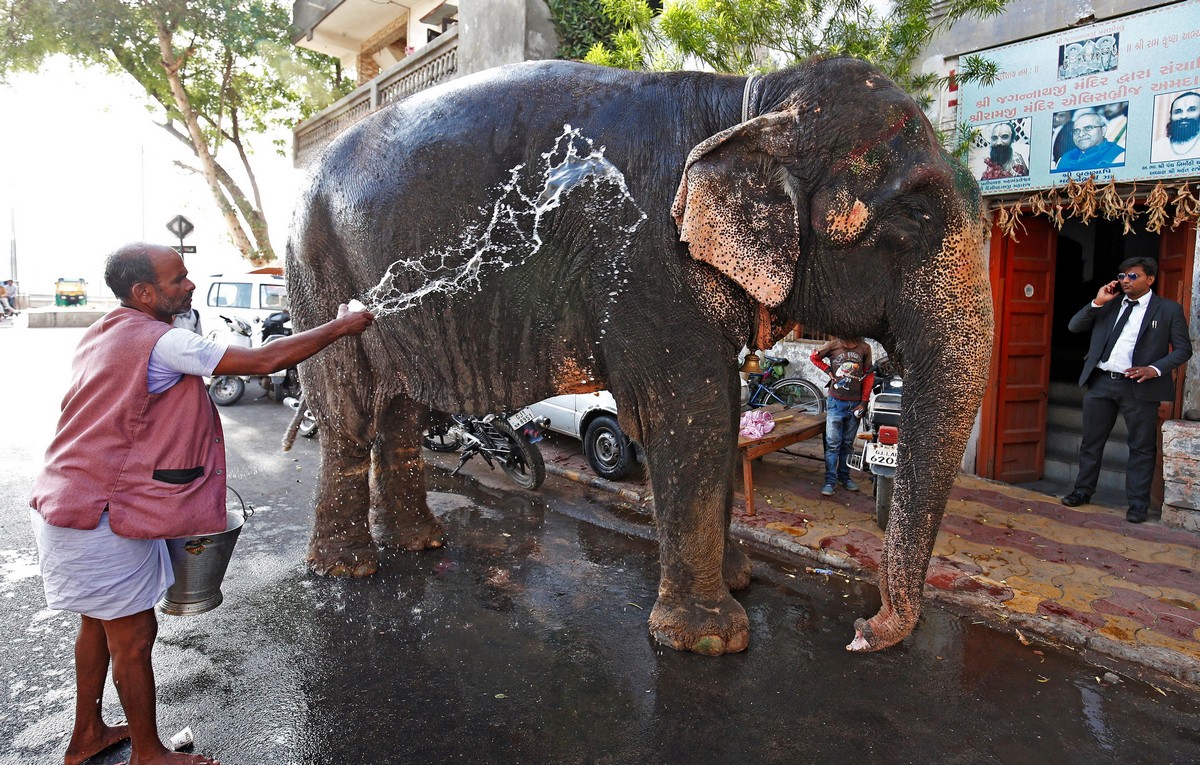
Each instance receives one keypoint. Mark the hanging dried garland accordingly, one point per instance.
(1085, 201)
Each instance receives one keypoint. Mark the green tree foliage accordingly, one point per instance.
(748, 36)
(581, 25)
(214, 71)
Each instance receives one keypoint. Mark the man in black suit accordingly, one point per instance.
(1137, 341)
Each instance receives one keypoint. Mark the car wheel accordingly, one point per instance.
(608, 450)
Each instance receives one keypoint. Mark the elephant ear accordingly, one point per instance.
(734, 215)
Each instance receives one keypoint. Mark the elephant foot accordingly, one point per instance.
(329, 559)
(706, 627)
(881, 631)
(426, 535)
(736, 566)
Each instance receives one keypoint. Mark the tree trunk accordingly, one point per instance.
(171, 66)
(252, 214)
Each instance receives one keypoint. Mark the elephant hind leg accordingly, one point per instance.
(400, 515)
(337, 386)
(341, 540)
(736, 566)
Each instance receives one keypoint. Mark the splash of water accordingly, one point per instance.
(513, 231)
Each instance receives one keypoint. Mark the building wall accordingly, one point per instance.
(1024, 19)
(502, 32)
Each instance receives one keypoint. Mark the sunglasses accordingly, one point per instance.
(1130, 277)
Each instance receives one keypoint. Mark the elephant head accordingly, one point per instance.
(836, 206)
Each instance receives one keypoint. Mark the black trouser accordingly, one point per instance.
(1104, 398)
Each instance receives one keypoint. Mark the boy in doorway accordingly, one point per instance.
(847, 361)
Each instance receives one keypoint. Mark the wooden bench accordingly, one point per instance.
(791, 427)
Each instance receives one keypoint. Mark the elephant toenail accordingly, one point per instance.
(709, 645)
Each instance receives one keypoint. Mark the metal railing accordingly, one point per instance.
(436, 62)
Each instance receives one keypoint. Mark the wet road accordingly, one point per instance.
(525, 641)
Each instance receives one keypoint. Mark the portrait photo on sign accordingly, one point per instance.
(1176, 126)
(1001, 149)
(1088, 56)
(1093, 138)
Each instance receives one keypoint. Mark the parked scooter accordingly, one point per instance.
(880, 436)
(227, 390)
(510, 440)
(307, 425)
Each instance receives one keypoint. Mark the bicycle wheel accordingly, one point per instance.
(798, 394)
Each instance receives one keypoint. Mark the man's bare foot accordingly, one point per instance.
(109, 735)
(174, 758)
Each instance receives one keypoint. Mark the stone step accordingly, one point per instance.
(1111, 482)
(1066, 393)
(1059, 417)
(1064, 444)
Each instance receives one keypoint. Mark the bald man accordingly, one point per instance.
(138, 458)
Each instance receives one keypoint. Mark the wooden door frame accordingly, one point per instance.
(985, 454)
(995, 446)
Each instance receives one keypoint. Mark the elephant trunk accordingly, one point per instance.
(943, 337)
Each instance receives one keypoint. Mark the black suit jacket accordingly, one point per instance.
(1162, 342)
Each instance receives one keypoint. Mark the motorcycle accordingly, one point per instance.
(879, 434)
(226, 390)
(510, 440)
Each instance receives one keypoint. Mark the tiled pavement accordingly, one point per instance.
(1080, 577)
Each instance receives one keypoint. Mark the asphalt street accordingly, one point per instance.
(524, 640)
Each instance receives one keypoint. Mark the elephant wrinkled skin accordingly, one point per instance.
(552, 227)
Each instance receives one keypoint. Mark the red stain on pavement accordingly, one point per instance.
(1054, 551)
(1054, 608)
(1170, 620)
(865, 548)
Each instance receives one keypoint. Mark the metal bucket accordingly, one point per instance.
(199, 563)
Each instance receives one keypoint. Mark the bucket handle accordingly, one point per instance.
(247, 510)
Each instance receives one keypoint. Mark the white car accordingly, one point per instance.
(592, 418)
(251, 297)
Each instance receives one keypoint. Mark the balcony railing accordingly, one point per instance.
(436, 62)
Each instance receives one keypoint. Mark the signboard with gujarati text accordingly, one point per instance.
(1119, 99)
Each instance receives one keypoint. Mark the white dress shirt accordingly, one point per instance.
(1121, 357)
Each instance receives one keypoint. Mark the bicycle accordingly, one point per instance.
(771, 387)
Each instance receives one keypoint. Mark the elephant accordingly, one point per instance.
(554, 227)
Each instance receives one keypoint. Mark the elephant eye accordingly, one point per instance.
(789, 183)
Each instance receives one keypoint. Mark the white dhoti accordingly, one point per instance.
(99, 574)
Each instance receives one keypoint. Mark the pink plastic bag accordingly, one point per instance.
(755, 424)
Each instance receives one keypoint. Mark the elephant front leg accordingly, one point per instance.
(691, 471)
(400, 516)
(341, 542)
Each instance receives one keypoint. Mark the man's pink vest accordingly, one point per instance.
(155, 461)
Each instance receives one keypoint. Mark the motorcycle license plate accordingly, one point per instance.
(882, 454)
(522, 417)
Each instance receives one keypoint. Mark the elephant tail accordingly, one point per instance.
(289, 435)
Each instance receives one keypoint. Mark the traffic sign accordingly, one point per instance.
(184, 249)
(180, 227)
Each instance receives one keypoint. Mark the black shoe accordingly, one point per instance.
(1136, 515)
(1076, 498)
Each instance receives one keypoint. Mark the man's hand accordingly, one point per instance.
(1141, 374)
(354, 322)
(1108, 292)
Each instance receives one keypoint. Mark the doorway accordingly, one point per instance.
(1088, 257)
(1032, 417)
